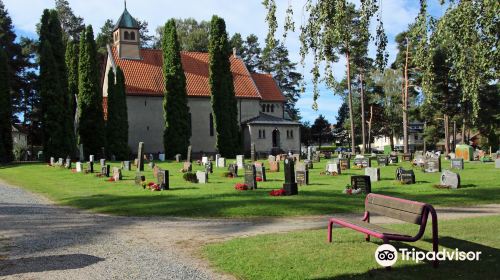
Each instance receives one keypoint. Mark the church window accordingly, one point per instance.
(132, 35)
(264, 133)
(260, 133)
(263, 107)
(211, 117)
(268, 108)
(272, 108)
(127, 35)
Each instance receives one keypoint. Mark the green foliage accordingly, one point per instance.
(321, 130)
(251, 53)
(57, 121)
(192, 35)
(72, 66)
(117, 121)
(72, 25)
(236, 43)
(91, 120)
(105, 36)
(177, 131)
(5, 111)
(190, 177)
(223, 98)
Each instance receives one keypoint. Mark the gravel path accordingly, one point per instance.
(39, 240)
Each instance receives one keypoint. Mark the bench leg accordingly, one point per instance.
(330, 223)
(367, 237)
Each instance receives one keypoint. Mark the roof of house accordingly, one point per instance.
(144, 77)
(267, 87)
(126, 20)
(268, 119)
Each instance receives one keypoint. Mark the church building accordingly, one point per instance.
(261, 113)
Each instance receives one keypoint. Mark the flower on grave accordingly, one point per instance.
(241, 187)
(279, 192)
(111, 179)
(73, 170)
(258, 179)
(154, 187)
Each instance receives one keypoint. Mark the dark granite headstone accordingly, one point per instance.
(290, 186)
(345, 163)
(393, 159)
(362, 182)
(363, 162)
(140, 157)
(405, 176)
(407, 157)
(250, 175)
(432, 164)
(90, 167)
(457, 163)
(328, 155)
(162, 179)
(382, 160)
(450, 179)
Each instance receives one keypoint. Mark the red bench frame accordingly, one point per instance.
(427, 210)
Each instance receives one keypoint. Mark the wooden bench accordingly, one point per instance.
(396, 208)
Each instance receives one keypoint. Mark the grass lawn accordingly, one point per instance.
(480, 184)
(307, 255)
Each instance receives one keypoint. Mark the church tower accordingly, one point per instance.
(126, 37)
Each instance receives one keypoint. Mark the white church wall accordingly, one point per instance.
(145, 123)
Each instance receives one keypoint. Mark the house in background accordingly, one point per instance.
(415, 139)
(19, 136)
(261, 110)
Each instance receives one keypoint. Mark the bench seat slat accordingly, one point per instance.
(372, 227)
(395, 213)
(401, 204)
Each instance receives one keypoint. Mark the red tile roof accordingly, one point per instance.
(145, 77)
(268, 88)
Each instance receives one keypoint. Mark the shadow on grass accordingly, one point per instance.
(486, 268)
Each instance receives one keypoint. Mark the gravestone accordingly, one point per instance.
(162, 179)
(117, 174)
(52, 161)
(252, 152)
(126, 165)
(139, 178)
(80, 150)
(328, 155)
(497, 163)
(271, 158)
(432, 164)
(405, 176)
(233, 169)
(296, 157)
(90, 167)
(382, 160)
(457, 163)
(178, 157)
(202, 177)
(79, 167)
(309, 164)
(250, 175)
(155, 171)
(60, 162)
(345, 163)
(91, 158)
(240, 161)
(140, 157)
(217, 156)
(161, 157)
(309, 153)
(67, 163)
(450, 179)
(363, 162)
(102, 162)
(152, 165)
(221, 162)
(316, 157)
(362, 182)
(393, 159)
(189, 154)
(301, 174)
(105, 171)
(290, 186)
(274, 166)
(260, 171)
(406, 157)
(374, 173)
(204, 160)
(333, 169)
(188, 167)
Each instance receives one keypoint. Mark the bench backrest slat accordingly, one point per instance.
(396, 208)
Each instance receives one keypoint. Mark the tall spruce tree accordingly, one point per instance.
(175, 104)
(91, 121)
(117, 123)
(5, 111)
(223, 98)
(72, 66)
(57, 123)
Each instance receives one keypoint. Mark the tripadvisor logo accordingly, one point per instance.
(386, 255)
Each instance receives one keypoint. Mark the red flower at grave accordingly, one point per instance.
(240, 187)
(279, 192)
(111, 179)
(258, 179)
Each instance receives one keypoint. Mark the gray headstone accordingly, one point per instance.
(497, 163)
(117, 174)
(162, 179)
(333, 168)
(309, 153)
(60, 162)
(189, 153)
(217, 156)
(67, 163)
(102, 162)
(126, 165)
(301, 174)
(140, 157)
(209, 167)
(202, 177)
(52, 161)
(221, 162)
(432, 164)
(382, 160)
(260, 171)
(91, 158)
(457, 163)
(79, 167)
(240, 161)
(233, 169)
(250, 176)
(271, 158)
(373, 172)
(309, 164)
(450, 179)
(161, 157)
(178, 157)
(316, 157)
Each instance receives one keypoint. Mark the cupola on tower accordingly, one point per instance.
(126, 36)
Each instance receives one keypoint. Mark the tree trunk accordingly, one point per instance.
(463, 132)
(405, 102)
(425, 143)
(391, 139)
(353, 144)
(454, 145)
(446, 134)
(362, 97)
(370, 130)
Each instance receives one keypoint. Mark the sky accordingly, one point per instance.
(243, 16)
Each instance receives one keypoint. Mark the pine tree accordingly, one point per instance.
(117, 123)
(57, 124)
(91, 121)
(5, 111)
(223, 98)
(177, 131)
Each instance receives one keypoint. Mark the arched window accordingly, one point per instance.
(272, 108)
(132, 35)
(126, 35)
(211, 117)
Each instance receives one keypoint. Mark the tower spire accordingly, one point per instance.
(125, 1)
